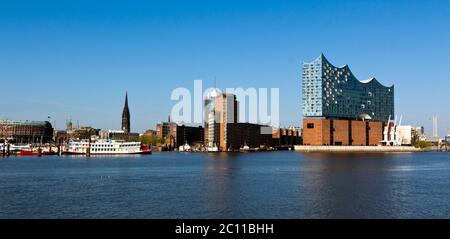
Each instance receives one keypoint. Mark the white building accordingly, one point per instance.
(405, 133)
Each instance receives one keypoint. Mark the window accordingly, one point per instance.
(310, 126)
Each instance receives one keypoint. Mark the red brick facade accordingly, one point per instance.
(341, 132)
(359, 133)
(375, 133)
(316, 132)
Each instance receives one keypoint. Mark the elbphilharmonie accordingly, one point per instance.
(332, 92)
(338, 109)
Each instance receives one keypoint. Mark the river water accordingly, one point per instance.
(280, 184)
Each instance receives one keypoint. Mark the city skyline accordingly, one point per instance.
(63, 61)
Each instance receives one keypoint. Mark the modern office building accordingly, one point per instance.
(338, 109)
(221, 109)
(20, 131)
(331, 92)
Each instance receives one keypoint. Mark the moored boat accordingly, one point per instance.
(185, 148)
(28, 150)
(213, 148)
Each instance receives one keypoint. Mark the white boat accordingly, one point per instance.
(15, 148)
(213, 148)
(185, 148)
(104, 146)
(245, 147)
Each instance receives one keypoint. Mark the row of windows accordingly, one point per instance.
(334, 91)
(107, 146)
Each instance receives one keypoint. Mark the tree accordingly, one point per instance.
(151, 139)
(422, 144)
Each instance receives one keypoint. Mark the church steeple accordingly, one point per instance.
(126, 116)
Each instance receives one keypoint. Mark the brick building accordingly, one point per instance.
(175, 135)
(85, 132)
(286, 136)
(119, 135)
(241, 134)
(342, 132)
(338, 109)
(189, 134)
(26, 131)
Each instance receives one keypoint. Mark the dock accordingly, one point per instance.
(356, 149)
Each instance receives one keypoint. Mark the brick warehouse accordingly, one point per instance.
(342, 132)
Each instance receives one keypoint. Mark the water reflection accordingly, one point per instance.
(223, 185)
(348, 185)
(218, 173)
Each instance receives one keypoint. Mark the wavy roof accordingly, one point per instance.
(372, 80)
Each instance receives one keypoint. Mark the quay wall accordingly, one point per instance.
(344, 149)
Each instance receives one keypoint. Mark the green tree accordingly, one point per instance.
(422, 144)
(150, 139)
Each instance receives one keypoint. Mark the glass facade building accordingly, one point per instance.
(331, 92)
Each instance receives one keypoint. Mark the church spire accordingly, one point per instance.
(126, 116)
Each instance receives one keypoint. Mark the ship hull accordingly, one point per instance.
(106, 147)
(30, 153)
(113, 153)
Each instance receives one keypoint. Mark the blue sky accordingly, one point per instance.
(77, 58)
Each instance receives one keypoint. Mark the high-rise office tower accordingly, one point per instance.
(220, 109)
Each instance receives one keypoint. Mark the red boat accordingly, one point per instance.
(25, 153)
(27, 150)
(146, 149)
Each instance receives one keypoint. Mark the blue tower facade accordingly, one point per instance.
(331, 92)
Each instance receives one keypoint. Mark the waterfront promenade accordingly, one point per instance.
(356, 149)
